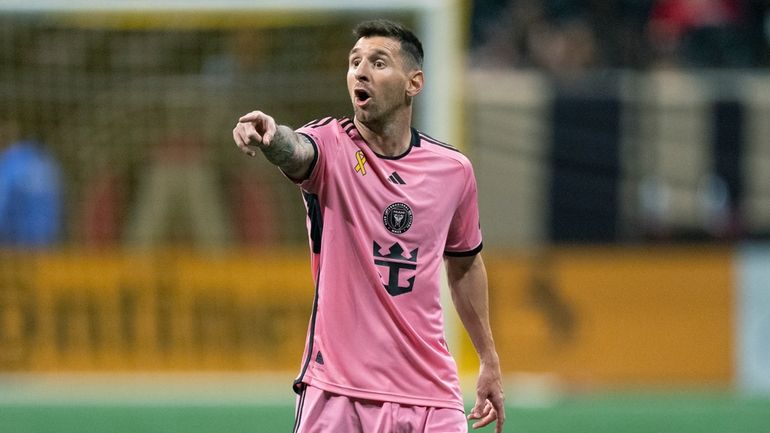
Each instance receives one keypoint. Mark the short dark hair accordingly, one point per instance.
(410, 44)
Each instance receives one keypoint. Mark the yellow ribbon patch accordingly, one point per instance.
(361, 166)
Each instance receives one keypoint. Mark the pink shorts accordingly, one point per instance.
(319, 411)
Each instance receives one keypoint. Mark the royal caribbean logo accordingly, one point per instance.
(396, 261)
(397, 218)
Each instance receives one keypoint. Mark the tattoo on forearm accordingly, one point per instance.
(284, 152)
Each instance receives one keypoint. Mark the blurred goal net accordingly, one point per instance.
(114, 93)
(132, 105)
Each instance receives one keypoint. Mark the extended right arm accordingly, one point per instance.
(291, 152)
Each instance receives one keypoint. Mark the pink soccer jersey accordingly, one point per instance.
(379, 228)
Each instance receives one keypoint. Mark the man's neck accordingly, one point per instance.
(389, 139)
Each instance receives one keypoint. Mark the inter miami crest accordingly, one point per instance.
(398, 218)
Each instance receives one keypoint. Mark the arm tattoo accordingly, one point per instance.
(288, 150)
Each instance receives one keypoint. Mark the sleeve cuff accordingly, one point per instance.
(472, 252)
(312, 163)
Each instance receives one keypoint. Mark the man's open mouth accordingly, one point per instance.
(361, 95)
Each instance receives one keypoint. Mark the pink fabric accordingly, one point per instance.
(319, 411)
(377, 332)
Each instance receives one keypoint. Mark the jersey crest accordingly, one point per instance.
(398, 218)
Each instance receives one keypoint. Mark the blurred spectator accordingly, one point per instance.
(483, 13)
(564, 48)
(103, 206)
(564, 35)
(254, 217)
(503, 41)
(555, 36)
(179, 200)
(30, 194)
(700, 33)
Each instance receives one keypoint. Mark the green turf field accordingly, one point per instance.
(693, 412)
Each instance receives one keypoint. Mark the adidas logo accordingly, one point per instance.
(395, 178)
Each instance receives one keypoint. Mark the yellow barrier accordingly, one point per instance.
(173, 310)
(590, 315)
(615, 315)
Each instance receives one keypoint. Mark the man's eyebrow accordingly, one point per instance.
(376, 52)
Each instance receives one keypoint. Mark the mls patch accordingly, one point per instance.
(397, 218)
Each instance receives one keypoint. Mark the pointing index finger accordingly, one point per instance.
(250, 117)
(269, 133)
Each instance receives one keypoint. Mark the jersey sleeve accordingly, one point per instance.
(323, 135)
(464, 237)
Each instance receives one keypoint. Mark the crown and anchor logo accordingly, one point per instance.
(396, 261)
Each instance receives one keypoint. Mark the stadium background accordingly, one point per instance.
(622, 153)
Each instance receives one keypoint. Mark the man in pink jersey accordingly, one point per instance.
(385, 204)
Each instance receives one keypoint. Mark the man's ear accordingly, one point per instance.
(415, 83)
